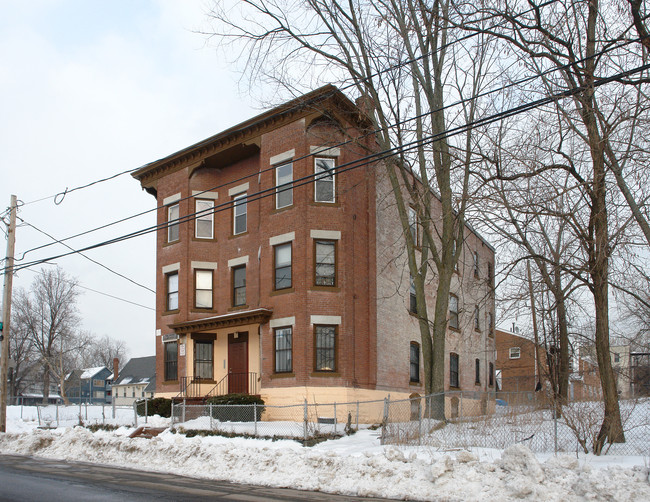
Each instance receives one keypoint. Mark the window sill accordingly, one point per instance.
(281, 209)
(285, 291)
(451, 387)
(171, 243)
(282, 375)
(234, 236)
(238, 307)
(332, 289)
(325, 204)
(203, 239)
(325, 374)
(170, 312)
(457, 330)
(415, 384)
(413, 314)
(168, 382)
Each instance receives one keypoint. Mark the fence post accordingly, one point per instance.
(57, 414)
(555, 427)
(210, 411)
(113, 403)
(306, 417)
(335, 417)
(184, 405)
(460, 412)
(172, 417)
(103, 415)
(419, 421)
(357, 414)
(86, 408)
(384, 422)
(255, 417)
(135, 412)
(146, 410)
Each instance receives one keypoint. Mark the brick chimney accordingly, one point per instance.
(365, 105)
(116, 367)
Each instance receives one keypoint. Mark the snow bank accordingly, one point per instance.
(355, 465)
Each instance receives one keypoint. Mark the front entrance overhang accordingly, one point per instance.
(256, 316)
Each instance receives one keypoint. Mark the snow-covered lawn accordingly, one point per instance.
(352, 465)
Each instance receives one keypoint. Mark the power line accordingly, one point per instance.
(89, 258)
(349, 86)
(342, 143)
(99, 292)
(67, 190)
(363, 161)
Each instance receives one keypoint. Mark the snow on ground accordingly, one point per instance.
(352, 465)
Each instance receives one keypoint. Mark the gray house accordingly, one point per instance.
(137, 380)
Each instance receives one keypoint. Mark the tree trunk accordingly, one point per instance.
(563, 334)
(46, 384)
(439, 334)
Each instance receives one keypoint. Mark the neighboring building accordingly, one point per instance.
(584, 379)
(640, 373)
(523, 367)
(621, 363)
(32, 394)
(89, 385)
(135, 381)
(273, 284)
(516, 362)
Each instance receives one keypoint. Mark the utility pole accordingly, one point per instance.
(6, 312)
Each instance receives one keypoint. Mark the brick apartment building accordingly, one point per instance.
(521, 366)
(273, 283)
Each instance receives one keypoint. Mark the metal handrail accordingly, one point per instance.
(223, 386)
(190, 387)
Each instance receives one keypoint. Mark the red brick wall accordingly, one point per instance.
(352, 215)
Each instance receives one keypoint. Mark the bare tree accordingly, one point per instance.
(574, 49)
(102, 351)
(25, 358)
(400, 57)
(531, 214)
(48, 315)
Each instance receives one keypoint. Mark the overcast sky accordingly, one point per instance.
(90, 89)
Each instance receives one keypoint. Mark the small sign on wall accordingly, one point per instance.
(181, 350)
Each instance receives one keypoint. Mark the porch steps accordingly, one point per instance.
(146, 432)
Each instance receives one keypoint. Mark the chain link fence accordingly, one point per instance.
(474, 419)
(50, 416)
(443, 421)
(302, 422)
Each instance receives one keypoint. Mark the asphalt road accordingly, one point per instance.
(29, 479)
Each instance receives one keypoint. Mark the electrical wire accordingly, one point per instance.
(88, 257)
(100, 292)
(342, 143)
(351, 85)
(363, 161)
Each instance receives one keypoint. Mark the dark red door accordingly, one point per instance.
(238, 363)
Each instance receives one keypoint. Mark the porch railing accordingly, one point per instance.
(232, 383)
(235, 383)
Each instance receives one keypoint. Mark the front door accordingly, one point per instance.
(238, 363)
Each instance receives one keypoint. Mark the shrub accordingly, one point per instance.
(156, 406)
(236, 407)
